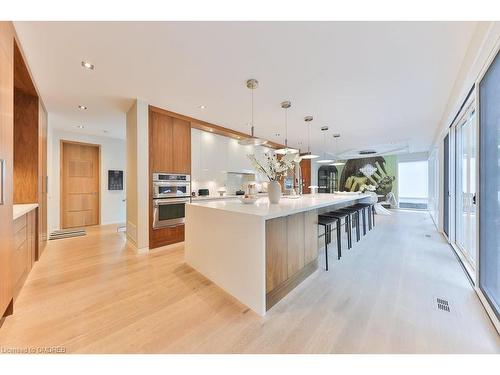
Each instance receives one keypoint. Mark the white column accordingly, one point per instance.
(138, 175)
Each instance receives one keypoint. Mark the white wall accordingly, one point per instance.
(112, 157)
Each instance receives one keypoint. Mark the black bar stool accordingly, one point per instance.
(351, 210)
(371, 214)
(342, 215)
(364, 210)
(326, 222)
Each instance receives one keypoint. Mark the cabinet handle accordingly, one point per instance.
(2, 177)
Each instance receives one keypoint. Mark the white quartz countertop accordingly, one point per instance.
(211, 198)
(218, 197)
(19, 210)
(287, 206)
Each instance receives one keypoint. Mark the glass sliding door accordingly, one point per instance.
(446, 186)
(489, 182)
(465, 187)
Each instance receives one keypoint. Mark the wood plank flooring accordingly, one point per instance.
(93, 294)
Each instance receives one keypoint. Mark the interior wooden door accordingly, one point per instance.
(80, 169)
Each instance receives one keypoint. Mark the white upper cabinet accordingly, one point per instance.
(214, 155)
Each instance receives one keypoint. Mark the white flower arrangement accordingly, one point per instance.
(272, 167)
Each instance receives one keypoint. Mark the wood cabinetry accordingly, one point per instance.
(169, 152)
(6, 166)
(170, 144)
(181, 146)
(23, 165)
(25, 238)
(291, 253)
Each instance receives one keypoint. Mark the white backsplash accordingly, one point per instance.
(219, 162)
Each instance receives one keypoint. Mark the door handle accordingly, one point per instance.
(474, 199)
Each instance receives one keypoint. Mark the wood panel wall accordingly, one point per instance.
(42, 179)
(6, 154)
(291, 253)
(26, 184)
(305, 167)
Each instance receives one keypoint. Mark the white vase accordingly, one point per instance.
(274, 191)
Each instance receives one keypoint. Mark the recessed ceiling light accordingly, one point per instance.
(80, 126)
(87, 65)
(82, 107)
(201, 106)
(211, 130)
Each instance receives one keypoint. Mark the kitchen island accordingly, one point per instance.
(259, 252)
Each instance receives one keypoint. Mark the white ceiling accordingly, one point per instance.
(374, 82)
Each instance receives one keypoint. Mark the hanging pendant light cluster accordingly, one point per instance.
(308, 154)
(324, 160)
(252, 84)
(286, 150)
(337, 162)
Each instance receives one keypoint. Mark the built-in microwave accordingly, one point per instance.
(170, 185)
(169, 212)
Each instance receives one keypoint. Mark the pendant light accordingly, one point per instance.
(308, 154)
(325, 160)
(337, 162)
(286, 150)
(252, 84)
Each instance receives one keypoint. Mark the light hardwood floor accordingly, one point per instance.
(93, 294)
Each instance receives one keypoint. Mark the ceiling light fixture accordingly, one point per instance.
(325, 160)
(202, 106)
(337, 162)
(308, 154)
(87, 65)
(286, 150)
(252, 84)
(82, 107)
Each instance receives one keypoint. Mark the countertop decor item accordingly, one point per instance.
(274, 191)
(274, 168)
(248, 199)
(222, 191)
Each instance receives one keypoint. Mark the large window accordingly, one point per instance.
(489, 180)
(465, 186)
(413, 186)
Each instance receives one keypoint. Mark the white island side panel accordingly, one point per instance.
(229, 249)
